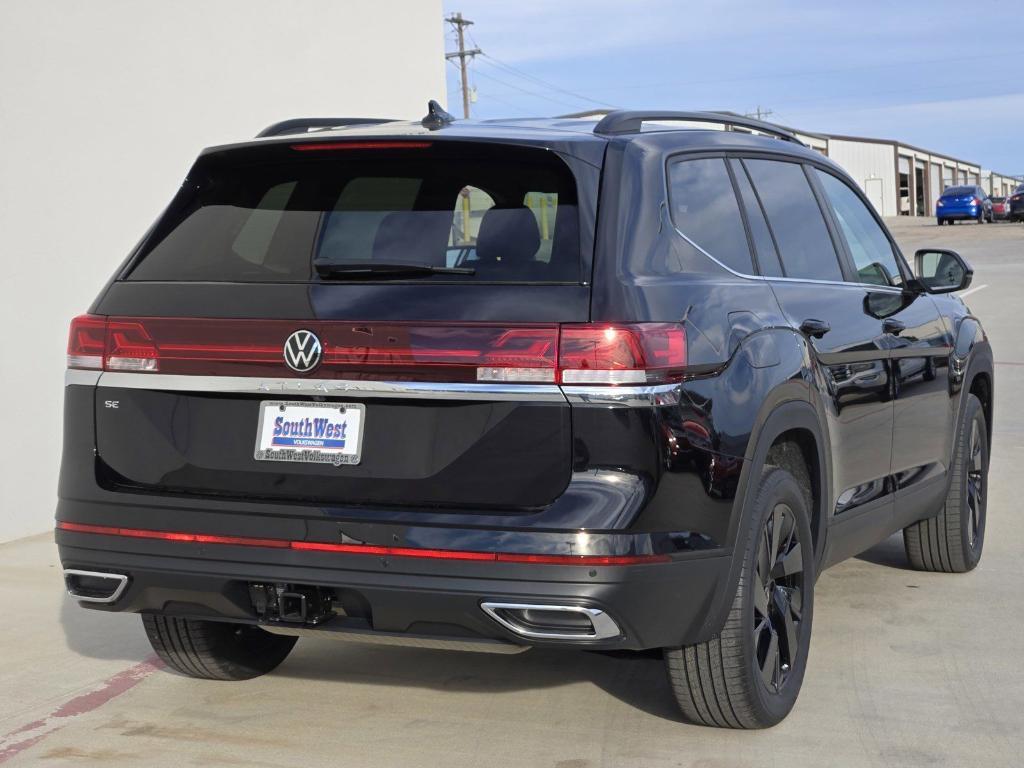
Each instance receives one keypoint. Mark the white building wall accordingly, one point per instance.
(103, 106)
(872, 166)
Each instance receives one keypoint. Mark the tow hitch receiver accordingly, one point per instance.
(292, 603)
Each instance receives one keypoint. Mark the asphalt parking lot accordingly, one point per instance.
(906, 668)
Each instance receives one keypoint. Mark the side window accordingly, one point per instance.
(767, 255)
(795, 217)
(704, 208)
(872, 253)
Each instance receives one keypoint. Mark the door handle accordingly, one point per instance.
(893, 326)
(814, 327)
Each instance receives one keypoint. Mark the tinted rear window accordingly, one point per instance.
(273, 214)
(958, 191)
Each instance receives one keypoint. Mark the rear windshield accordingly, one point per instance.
(958, 191)
(290, 213)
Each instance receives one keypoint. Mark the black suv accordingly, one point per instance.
(611, 385)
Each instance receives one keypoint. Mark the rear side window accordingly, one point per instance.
(873, 256)
(795, 217)
(276, 214)
(705, 210)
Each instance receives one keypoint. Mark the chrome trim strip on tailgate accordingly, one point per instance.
(333, 387)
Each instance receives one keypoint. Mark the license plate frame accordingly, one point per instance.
(311, 448)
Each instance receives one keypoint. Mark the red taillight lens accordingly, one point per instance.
(975, 201)
(637, 353)
(85, 342)
(599, 353)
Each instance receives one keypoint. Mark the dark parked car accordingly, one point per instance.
(492, 385)
(967, 202)
(1000, 208)
(1017, 204)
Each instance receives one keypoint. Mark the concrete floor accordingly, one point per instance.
(906, 668)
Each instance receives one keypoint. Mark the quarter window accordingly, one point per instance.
(795, 217)
(704, 209)
(873, 255)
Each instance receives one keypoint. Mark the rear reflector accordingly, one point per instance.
(365, 549)
(596, 353)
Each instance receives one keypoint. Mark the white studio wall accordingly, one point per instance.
(103, 107)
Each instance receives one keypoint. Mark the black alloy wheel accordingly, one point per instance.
(778, 598)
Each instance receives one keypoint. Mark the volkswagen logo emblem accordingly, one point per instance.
(302, 351)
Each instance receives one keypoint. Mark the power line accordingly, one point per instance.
(535, 94)
(540, 81)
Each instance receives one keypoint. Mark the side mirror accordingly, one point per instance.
(942, 271)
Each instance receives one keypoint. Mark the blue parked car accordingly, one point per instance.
(967, 202)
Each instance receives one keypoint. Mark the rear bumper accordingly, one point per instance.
(957, 213)
(654, 604)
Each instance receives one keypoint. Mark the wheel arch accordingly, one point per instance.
(796, 424)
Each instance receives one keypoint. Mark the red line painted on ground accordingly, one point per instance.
(82, 704)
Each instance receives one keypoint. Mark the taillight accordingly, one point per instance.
(975, 201)
(85, 342)
(595, 353)
(636, 353)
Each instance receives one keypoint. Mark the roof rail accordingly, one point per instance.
(623, 121)
(303, 124)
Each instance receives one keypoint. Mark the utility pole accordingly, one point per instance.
(462, 54)
(760, 114)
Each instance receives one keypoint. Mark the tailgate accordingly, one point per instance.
(418, 284)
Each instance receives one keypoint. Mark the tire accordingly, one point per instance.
(719, 682)
(952, 541)
(215, 650)
(941, 222)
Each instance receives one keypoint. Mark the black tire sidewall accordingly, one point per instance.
(778, 486)
(975, 414)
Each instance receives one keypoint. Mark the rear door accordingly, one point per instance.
(918, 346)
(361, 322)
(847, 339)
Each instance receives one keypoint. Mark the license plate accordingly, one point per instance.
(317, 433)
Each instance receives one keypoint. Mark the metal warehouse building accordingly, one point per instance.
(900, 179)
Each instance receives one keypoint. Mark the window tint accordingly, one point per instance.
(270, 214)
(767, 256)
(704, 208)
(795, 218)
(872, 253)
(959, 191)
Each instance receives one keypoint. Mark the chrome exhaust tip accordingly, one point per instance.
(553, 622)
(94, 586)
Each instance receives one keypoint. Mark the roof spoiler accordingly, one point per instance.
(305, 124)
(624, 121)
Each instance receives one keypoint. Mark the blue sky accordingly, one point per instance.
(903, 70)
